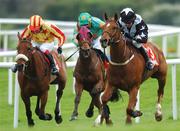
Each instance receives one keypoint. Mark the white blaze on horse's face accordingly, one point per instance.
(108, 25)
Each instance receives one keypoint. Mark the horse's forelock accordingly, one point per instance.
(84, 33)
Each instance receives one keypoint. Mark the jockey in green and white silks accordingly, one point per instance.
(95, 25)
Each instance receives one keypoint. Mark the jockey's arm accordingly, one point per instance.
(142, 33)
(56, 32)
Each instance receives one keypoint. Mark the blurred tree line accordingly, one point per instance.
(153, 11)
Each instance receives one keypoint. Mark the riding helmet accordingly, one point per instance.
(84, 18)
(35, 22)
(127, 15)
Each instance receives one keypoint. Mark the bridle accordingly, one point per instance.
(113, 41)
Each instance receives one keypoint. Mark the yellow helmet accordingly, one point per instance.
(35, 22)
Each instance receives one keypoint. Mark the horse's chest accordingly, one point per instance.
(89, 78)
(121, 79)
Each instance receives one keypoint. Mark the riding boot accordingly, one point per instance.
(54, 70)
(149, 64)
(14, 68)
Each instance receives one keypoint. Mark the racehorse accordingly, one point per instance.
(88, 73)
(127, 70)
(34, 78)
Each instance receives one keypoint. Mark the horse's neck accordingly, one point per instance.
(91, 60)
(120, 51)
(37, 63)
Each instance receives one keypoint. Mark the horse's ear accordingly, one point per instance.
(28, 38)
(116, 16)
(105, 16)
(78, 27)
(19, 36)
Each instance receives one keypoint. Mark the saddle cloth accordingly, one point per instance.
(151, 54)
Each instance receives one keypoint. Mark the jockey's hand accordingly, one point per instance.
(59, 50)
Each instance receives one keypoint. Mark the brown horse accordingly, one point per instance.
(127, 70)
(34, 78)
(88, 73)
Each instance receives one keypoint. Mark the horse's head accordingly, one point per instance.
(84, 38)
(24, 50)
(111, 31)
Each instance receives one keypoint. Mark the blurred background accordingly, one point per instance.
(166, 12)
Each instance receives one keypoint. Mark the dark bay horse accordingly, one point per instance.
(34, 78)
(127, 70)
(88, 73)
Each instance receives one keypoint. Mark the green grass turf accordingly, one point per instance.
(148, 98)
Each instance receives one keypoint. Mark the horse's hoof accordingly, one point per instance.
(58, 119)
(98, 121)
(45, 117)
(31, 123)
(73, 118)
(136, 114)
(158, 116)
(89, 113)
(48, 117)
(109, 122)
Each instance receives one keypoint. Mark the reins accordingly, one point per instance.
(71, 55)
(124, 51)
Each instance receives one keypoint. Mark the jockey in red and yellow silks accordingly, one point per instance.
(42, 35)
(46, 35)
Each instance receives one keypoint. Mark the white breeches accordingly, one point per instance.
(97, 44)
(44, 47)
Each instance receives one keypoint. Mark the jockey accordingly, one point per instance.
(42, 35)
(136, 31)
(95, 26)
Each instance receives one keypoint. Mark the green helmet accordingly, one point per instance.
(84, 18)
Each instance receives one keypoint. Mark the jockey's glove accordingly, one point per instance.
(59, 50)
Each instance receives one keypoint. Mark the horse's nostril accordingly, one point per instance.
(101, 40)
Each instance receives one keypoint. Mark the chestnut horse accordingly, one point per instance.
(88, 73)
(34, 78)
(127, 70)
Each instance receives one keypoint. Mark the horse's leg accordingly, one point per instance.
(37, 106)
(160, 92)
(57, 110)
(90, 112)
(43, 101)
(132, 102)
(78, 90)
(27, 103)
(103, 98)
